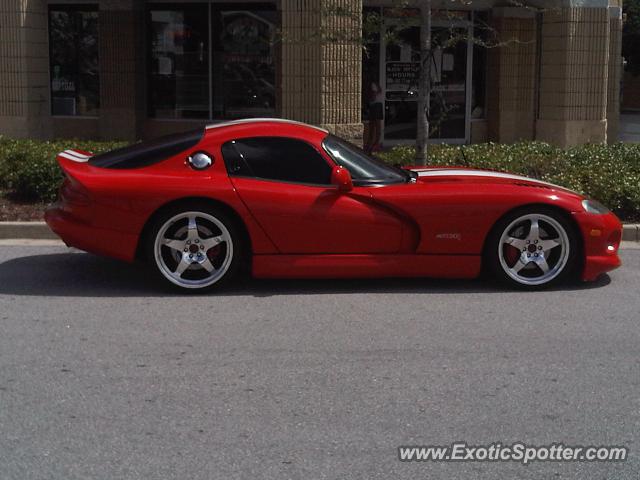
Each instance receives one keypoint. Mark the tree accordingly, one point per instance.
(424, 88)
(426, 54)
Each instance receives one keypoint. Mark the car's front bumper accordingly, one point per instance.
(602, 235)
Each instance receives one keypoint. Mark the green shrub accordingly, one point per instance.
(28, 168)
(608, 173)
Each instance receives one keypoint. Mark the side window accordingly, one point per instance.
(276, 158)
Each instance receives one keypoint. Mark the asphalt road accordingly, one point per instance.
(103, 376)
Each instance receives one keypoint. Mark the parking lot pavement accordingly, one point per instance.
(103, 375)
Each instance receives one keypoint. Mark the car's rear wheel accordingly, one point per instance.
(194, 247)
(533, 248)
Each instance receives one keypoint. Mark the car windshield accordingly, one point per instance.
(363, 168)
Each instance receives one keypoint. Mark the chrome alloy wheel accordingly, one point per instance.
(193, 249)
(533, 249)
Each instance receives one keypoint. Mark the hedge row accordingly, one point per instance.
(28, 168)
(610, 174)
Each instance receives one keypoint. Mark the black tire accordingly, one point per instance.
(562, 266)
(211, 224)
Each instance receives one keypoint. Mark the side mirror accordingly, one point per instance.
(341, 177)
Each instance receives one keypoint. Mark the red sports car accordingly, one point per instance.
(292, 200)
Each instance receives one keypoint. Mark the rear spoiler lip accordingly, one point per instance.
(76, 155)
(75, 164)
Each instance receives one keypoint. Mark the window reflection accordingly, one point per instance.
(243, 59)
(74, 67)
(240, 81)
(448, 75)
(179, 70)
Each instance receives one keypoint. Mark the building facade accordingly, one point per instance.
(132, 69)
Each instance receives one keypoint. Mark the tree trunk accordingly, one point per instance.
(424, 87)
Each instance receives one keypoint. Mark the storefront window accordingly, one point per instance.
(448, 83)
(234, 77)
(401, 74)
(179, 62)
(74, 66)
(243, 59)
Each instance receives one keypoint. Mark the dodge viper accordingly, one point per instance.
(286, 199)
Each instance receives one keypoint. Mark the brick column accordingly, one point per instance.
(321, 64)
(512, 72)
(573, 79)
(122, 66)
(614, 73)
(24, 69)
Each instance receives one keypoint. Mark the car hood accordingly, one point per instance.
(472, 175)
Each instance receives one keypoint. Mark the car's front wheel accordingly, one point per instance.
(193, 246)
(533, 248)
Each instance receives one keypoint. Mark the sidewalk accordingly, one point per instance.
(630, 127)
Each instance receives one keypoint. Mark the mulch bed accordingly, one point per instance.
(12, 210)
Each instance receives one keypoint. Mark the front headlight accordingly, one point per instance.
(593, 206)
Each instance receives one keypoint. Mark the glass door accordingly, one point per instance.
(450, 72)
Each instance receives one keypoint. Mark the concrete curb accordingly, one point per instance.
(40, 231)
(29, 230)
(631, 233)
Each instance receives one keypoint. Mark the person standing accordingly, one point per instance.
(376, 118)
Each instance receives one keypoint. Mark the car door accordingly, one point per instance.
(285, 184)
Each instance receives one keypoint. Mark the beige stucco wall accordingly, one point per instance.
(614, 74)
(574, 75)
(24, 69)
(511, 78)
(321, 64)
(572, 97)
